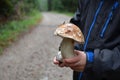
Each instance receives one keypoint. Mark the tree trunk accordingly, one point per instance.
(49, 5)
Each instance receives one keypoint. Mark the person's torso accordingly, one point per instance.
(100, 21)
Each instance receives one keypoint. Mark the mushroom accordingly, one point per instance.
(70, 34)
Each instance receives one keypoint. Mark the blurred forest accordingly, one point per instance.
(17, 16)
(16, 9)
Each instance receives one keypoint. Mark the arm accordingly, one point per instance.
(100, 61)
(104, 60)
(109, 60)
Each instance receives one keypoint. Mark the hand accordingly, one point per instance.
(56, 62)
(76, 63)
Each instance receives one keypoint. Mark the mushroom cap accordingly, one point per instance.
(69, 30)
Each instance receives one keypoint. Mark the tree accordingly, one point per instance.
(6, 7)
(64, 5)
(69, 5)
(17, 8)
(49, 5)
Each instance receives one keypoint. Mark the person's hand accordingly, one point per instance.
(56, 62)
(76, 63)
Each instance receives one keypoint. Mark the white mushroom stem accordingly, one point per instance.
(67, 48)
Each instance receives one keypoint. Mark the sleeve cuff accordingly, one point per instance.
(89, 60)
(90, 56)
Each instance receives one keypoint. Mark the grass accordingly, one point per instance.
(10, 31)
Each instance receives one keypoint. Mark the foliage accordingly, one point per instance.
(64, 5)
(10, 31)
(57, 5)
(6, 7)
(14, 15)
(69, 5)
(17, 8)
(43, 6)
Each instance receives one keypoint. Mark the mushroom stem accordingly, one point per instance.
(67, 48)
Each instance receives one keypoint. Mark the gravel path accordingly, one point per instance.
(31, 58)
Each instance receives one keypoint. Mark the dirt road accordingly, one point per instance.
(31, 57)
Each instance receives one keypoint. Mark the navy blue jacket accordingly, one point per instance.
(99, 21)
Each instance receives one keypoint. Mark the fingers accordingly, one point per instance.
(70, 62)
(74, 59)
(55, 61)
(76, 63)
(60, 64)
(77, 52)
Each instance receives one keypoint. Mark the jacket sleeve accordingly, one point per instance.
(105, 60)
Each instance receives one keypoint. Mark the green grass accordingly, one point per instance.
(10, 31)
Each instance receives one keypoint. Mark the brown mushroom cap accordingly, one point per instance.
(69, 30)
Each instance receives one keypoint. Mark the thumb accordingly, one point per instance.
(77, 52)
(71, 60)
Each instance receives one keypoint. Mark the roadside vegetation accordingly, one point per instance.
(11, 30)
(19, 16)
(16, 18)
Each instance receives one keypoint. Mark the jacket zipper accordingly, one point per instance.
(109, 18)
(93, 23)
(91, 27)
